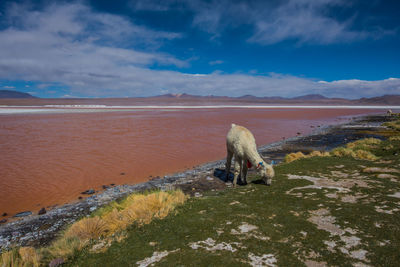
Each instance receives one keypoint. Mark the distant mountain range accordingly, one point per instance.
(8, 97)
(311, 98)
(14, 94)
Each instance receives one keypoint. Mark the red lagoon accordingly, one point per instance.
(48, 159)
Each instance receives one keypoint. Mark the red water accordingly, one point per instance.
(48, 159)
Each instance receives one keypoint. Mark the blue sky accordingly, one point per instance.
(286, 48)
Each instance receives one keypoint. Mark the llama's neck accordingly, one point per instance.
(254, 157)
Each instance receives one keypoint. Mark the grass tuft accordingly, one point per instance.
(359, 149)
(294, 156)
(364, 143)
(87, 229)
(395, 125)
(142, 209)
(394, 138)
(299, 155)
(10, 258)
(29, 256)
(22, 257)
(64, 247)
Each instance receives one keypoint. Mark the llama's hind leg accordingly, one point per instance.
(228, 165)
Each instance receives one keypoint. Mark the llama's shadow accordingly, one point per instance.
(258, 181)
(221, 174)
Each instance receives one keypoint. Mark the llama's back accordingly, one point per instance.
(239, 139)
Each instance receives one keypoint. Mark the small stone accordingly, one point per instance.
(56, 262)
(23, 214)
(42, 211)
(3, 221)
(112, 184)
(105, 186)
(88, 192)
(4, 214)
(209, 178)
(80, 197)
(122, 173)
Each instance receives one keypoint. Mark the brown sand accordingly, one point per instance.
(48, 159)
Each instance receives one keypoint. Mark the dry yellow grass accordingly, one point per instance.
(142, 209)
(342, 151)
(294, 156)
(358, 150)
(10, 259)
(363, 154)
(87, 228)
(394, 138)
(298, 155)
(64, 247)
(109, 224)
(22, 257)
(357, 153)
(393, 125)
(29, 256)
(364, 143)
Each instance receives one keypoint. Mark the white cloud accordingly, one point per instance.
(63, 41)
(91, 53)
(305, 21)
(8, 87)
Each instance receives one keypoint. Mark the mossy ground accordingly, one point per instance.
(349, 217)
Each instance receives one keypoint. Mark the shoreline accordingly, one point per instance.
(39, 230)
(60, 109)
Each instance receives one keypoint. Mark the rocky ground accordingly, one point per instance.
(39, 230)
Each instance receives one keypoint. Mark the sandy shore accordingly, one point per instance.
(38, 230)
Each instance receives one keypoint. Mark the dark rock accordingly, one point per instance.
(56, 262)
(122, 173)
(23, 214)
(105, 186)
(42, 211)
(3, 221)
(112, 184)
(4, 214)
(80, 197)
(88, 192)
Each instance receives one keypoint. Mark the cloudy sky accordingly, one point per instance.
(337, 48)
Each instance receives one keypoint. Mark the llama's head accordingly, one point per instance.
(266, 172)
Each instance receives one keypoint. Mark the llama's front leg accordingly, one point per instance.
(244, 172)
(228, 165)
(237, 169)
